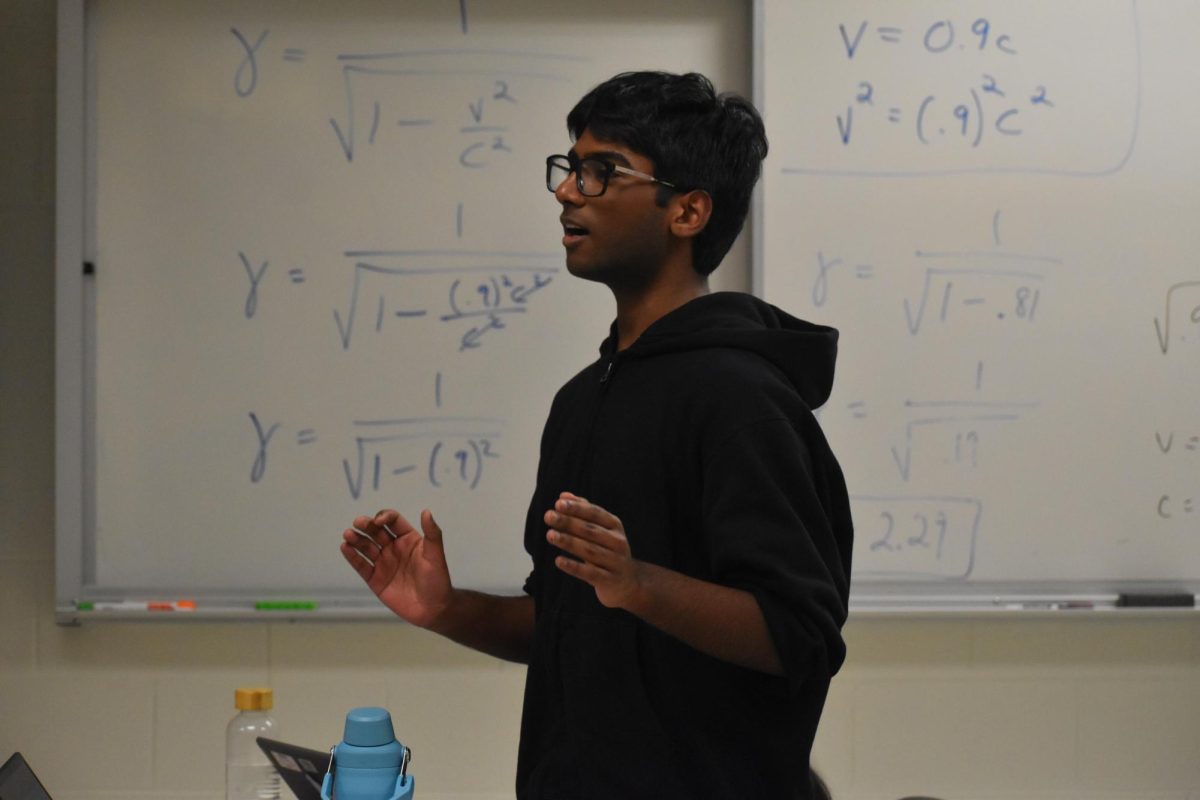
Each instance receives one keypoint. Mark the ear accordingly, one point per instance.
(690, 212)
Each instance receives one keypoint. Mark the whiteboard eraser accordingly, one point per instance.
(1171, 600)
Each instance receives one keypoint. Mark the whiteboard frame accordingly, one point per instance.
(758, 89)
(70, 236)
(75, 420)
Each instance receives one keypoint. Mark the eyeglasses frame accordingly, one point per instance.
(574, 163)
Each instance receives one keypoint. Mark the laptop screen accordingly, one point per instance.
(302, 768)
(17, 781)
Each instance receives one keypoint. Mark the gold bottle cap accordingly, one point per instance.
(253, 699)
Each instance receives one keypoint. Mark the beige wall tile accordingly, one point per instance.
(833, 751)
(364, 645)
(311, 705)
(951, 733)
(26, 383)
(462, 723)
(454, 717)
(27, 159)
(91, 732)
(27, 276)
(27, 45)
(896, 641)
(1093, 642)
(18, 616)
(1140, 732)
(192, 709)
(153, 646)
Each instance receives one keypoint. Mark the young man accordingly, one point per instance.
(690, 530)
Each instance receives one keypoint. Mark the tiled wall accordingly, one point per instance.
(998, 709)
(1016, 709)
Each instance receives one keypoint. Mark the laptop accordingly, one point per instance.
(302, 768)
(17, 781)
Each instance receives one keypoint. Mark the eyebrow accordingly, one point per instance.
(604, 155)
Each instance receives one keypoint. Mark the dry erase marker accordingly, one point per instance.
(1048, 605)
(285, 605)
(136, 605)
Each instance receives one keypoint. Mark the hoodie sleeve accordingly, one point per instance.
(776, 522)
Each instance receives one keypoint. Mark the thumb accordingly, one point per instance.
(433, 533)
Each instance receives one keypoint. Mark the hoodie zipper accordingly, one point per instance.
(589, 444)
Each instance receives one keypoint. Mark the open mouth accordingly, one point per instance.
(572, 233)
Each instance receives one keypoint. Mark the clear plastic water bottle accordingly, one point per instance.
(249, 774)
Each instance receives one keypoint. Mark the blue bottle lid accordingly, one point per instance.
(369, 726)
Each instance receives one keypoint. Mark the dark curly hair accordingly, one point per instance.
(697, 139)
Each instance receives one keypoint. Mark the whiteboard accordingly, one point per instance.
(996, 204)
(327, 278)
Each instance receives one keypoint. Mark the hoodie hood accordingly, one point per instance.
(805, 352)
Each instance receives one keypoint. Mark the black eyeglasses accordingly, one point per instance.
(591, 174)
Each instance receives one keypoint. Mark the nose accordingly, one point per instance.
(567, 192)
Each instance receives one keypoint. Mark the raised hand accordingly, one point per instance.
(596, 539)
(406, 570)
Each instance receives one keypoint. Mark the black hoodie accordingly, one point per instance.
(700, 437)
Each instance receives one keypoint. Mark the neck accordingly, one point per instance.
(638, 310)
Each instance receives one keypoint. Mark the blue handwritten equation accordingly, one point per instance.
(949, 432)
(1180, 320)
(1172, 507)
(398, 97)
(951, 294)
(917, 536)
(931, 89)
(956, 288)
(936, 118)
(477, 292)
(449, 450)
(1181, 446)
(442, 451)
(1177, 332)
(1179, 442)
(995, 288)
(998, 292)
(962, 423)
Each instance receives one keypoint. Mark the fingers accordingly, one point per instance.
(361, 564)
(387, 523)
(365, 541)
(580, 569)
(572, 504)
(578, 517)
(591, 553)
(370, 536)
(360, 549)
(595, 549)
(588, 533)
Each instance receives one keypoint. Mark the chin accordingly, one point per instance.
(587, 272)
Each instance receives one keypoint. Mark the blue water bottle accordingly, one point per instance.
(368, 764)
